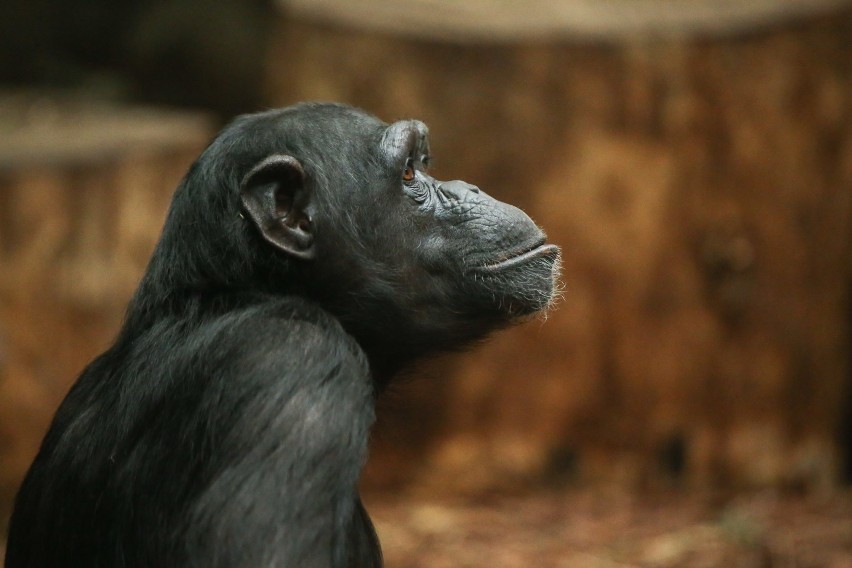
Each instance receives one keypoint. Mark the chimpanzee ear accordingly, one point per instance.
(276, 199)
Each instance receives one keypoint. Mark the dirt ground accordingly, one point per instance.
(594, 529)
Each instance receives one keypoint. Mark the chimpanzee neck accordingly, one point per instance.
(384, 367)
(388, 358)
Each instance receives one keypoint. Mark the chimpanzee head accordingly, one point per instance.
(327, 202)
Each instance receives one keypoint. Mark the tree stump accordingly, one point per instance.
(699, 179)
(84, 189)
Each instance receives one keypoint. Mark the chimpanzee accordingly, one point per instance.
(306, 259)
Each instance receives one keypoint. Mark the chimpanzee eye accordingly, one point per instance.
(408, 172)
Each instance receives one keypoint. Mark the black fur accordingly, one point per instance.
(307, 258)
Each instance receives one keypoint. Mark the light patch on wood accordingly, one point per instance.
(503, 20)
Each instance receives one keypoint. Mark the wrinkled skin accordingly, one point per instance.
(307, 257)
(455, 262)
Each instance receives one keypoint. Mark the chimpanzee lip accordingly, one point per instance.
(539, 249)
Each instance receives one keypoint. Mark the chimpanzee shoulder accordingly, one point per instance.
(279, 372)
(285, 375)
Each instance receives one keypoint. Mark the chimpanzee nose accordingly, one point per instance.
(456, 189)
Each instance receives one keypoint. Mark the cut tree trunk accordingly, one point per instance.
(700, 184)
(83, 193)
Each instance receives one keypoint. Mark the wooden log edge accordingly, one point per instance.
(478, 21)
(44, 131)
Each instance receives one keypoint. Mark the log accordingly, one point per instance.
(489, 21)
(84, 188)
(700, 184)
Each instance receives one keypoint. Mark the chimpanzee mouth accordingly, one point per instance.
(539, 250)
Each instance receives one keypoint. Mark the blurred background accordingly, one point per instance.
(689, 403)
